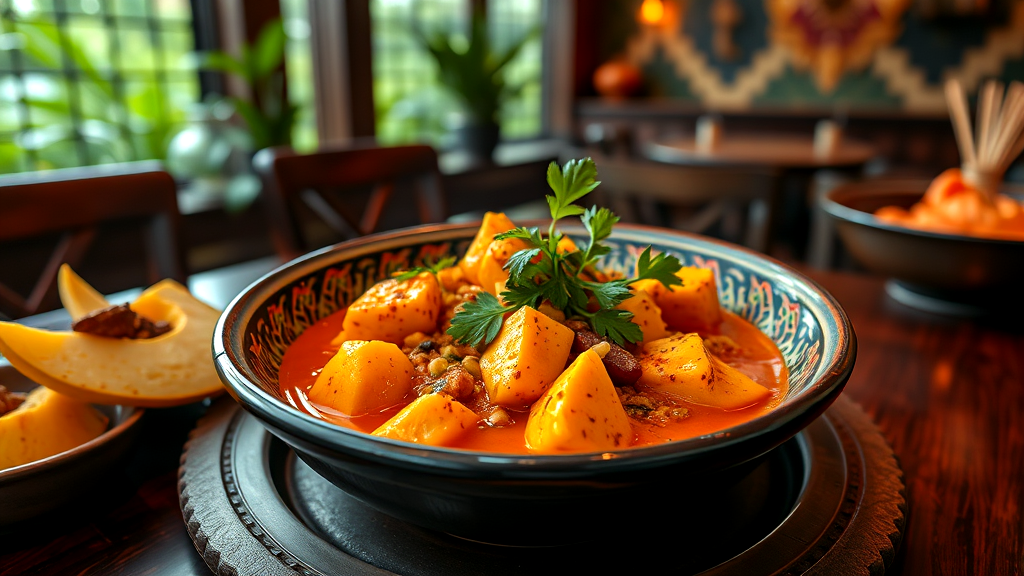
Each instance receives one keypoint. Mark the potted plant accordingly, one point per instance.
(475, 73)
(267, 115)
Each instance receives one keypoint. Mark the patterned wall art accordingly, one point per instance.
(824, 54)
(829, 37)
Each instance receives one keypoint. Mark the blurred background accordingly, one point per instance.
(806, 93)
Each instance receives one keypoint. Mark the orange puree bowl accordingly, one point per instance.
(937, 272)
(533, 500)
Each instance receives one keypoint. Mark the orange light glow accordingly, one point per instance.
(652, 11)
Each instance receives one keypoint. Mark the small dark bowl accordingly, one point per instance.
(45, 486)
(542, 499)
(933, 271)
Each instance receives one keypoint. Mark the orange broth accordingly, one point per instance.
(760, 359)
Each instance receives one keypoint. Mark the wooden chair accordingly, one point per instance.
(737, 205)
(74, 204)
(327, 183)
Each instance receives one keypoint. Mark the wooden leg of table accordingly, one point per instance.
(822, 242)
(762, 217)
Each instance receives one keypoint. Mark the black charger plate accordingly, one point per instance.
(831, 500)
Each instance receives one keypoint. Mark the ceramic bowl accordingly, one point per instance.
(542, 499)
(38, 488)
(933, 271)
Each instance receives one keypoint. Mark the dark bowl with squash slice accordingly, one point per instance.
(48, 489)
(537, 499)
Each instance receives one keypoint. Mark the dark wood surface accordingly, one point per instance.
(781, 151)
(948, 394)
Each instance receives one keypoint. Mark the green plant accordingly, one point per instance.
(267, 113)
(475, 72)
(107, 123)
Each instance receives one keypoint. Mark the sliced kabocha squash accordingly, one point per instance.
(76, 295)
(691, 307)
(580, 412)
(432, 419)
(682, 367)
(646, 315)
(391, 310)
(46, 423)
(526, 357)
(363, 377)
(493, 223)
(492, 273)
(171, 369)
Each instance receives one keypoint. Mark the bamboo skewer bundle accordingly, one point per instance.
(987, 153)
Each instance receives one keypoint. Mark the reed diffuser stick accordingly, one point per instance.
(987, 153)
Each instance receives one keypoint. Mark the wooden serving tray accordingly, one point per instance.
(829, 501)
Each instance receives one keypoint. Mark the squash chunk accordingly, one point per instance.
(493, 223)
(363, 377)
(646, 315)
(692, 307)
(580, 412)
(527, 356)
(492, 271)
(432, 419)
(47, 423)
(682, 367)
(391, 310)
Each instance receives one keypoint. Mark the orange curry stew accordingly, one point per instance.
(743, 347)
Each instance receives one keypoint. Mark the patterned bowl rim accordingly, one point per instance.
(831, 204)
(283, 419)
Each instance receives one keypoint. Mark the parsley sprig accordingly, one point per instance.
(542, 272)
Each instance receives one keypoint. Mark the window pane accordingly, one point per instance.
(176, 46)
(509, 23)
(102, 81)
(412, 105)
(173, 9)
(299, 66)
(130, 7)
(136, 47)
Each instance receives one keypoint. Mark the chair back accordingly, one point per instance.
(737, 204)
(323, 182)
(74, 204)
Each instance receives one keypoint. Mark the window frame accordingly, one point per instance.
(341, 40)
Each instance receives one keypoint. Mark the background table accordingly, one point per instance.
(948, 394)
(797, 166)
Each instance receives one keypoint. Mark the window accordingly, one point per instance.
(92, 81)
(410, 103)
(299, 68)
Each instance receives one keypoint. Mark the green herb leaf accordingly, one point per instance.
(610, 294)
(518, 295)
(517, 264)
(599, 222)
(616, 325)
(662, 268)
(432, 267)
(575, 180)
(529, 235)
(478, 321)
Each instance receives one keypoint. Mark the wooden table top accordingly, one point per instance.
(948, 394)
(782, 151)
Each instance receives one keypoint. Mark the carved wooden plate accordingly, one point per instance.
(829, 501)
